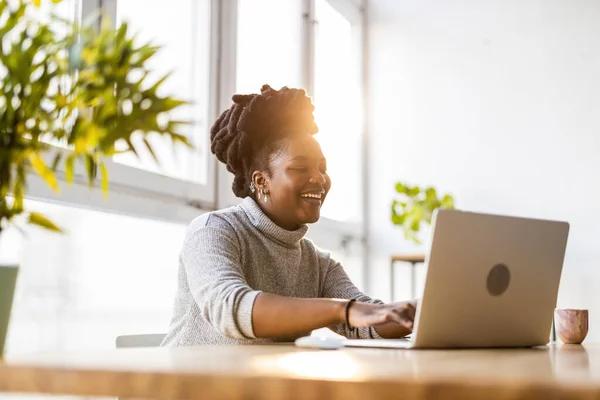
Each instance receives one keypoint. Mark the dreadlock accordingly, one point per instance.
(247, 135)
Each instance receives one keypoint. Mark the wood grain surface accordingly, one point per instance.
(287, 372)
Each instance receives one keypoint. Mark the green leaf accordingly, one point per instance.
(398, 219)
(56, 161)
(104, 174)
(415, 224)
(431, 193)
(43, 171)
(41, 221)
(158, 83)
(70, 168)
(19, 189)
(132, 148)
(90, 167)
(414, 191)
(400, 188)
(447, 201)
(149, 147)
(175, 137)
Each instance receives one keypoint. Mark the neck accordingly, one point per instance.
(277, 231)
(277, 221)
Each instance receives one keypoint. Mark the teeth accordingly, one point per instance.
(312, 195)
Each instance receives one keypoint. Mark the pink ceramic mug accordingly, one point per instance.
(571, 325)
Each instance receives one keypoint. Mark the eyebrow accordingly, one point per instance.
(305, 158)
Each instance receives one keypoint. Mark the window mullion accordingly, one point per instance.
(308, 46)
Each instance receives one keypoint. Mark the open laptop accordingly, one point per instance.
(491, 281)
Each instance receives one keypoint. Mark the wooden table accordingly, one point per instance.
(413, 259)
(286, 372)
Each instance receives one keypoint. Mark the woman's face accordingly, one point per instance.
(298, 183)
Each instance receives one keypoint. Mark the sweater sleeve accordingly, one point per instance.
(338, 285)
(212, 262)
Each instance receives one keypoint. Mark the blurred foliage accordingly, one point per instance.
(414, 206)
(85, 88)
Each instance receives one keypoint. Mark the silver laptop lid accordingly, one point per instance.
(491, 280)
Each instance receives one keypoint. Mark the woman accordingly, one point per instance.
(246, 273)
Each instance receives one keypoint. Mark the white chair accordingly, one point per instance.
(143, 340)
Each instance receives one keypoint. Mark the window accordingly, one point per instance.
(184, 176)
(269, 44)
(186, 54)
(214, 51)
(338, 107)
(334, 81)
(269, 39)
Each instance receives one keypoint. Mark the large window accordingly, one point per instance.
(214, 49)
(269, 36)
(272, 38)
(183, 28)
(338, 107)
(269, 44)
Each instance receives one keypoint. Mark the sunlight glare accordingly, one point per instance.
(314, 364)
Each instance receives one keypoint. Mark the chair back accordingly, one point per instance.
(142, 340)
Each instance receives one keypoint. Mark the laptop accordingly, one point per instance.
(491, 281)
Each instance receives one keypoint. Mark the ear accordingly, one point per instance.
(261, 180)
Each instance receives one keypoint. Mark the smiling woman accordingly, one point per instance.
(277, 158)
(247, 273)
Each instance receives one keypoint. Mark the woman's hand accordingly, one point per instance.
(393, 320)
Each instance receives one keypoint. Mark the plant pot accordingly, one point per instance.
(8, 282)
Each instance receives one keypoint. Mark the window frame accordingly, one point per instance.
(147, 182)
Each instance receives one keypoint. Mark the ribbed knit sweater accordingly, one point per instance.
(230, 256)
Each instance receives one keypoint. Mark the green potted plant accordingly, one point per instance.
(77, 89)
(413, 207)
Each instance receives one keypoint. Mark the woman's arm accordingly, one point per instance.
(211, 260)
(291, 317)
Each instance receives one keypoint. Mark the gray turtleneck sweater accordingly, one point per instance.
(229, 257)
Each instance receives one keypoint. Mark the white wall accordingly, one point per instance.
(499, 103)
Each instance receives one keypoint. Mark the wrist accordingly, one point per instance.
(340, 311)
(347, 314)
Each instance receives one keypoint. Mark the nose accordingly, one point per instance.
(317, 177)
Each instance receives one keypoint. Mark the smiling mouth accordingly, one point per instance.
(314, 199)
(318, 196)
